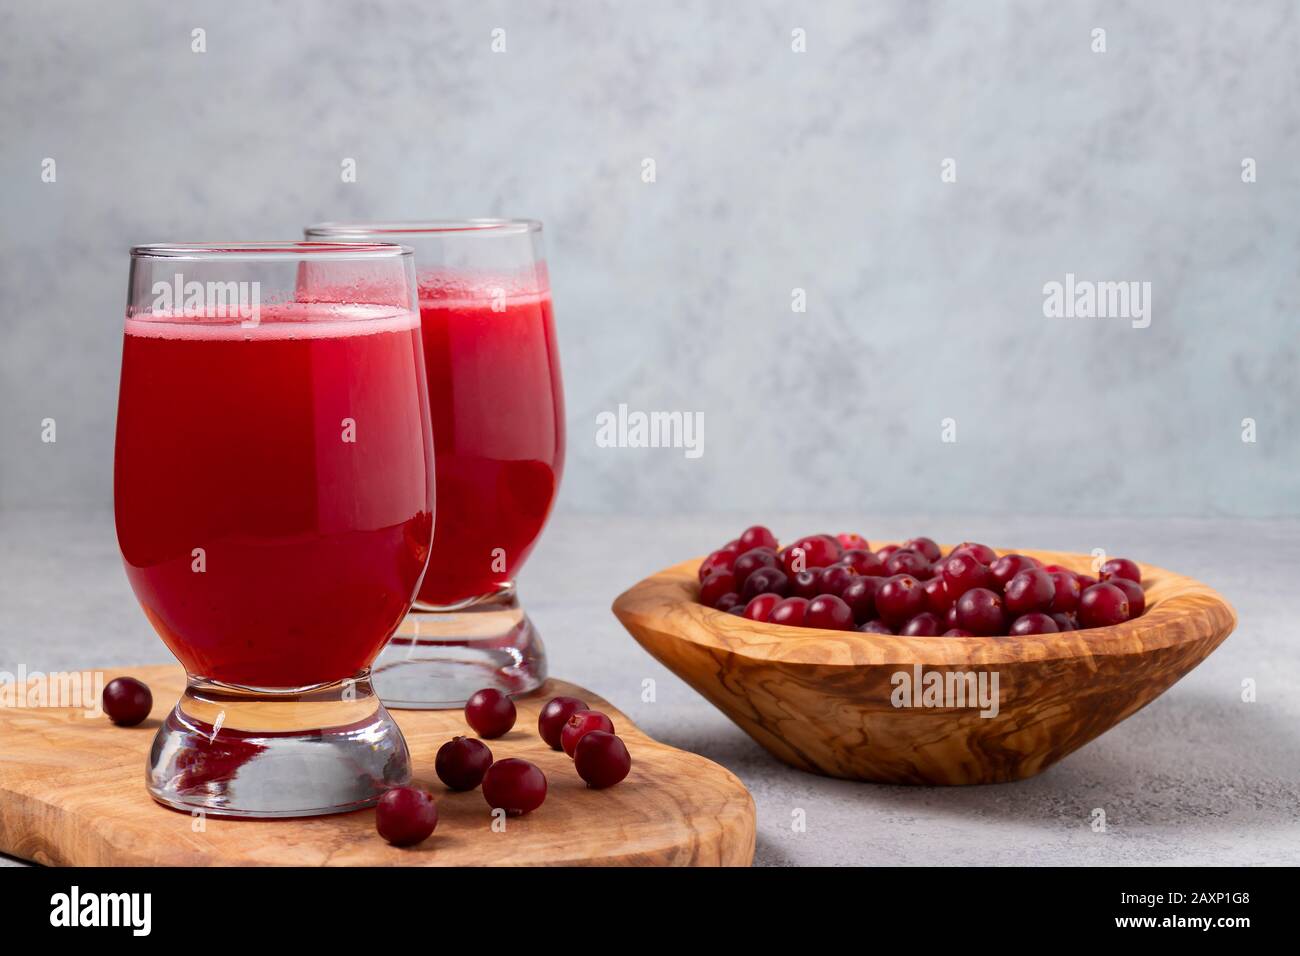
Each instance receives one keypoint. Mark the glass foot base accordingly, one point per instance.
(440, 656)
(248, 752)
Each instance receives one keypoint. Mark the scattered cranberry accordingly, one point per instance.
(756, 537)
(461, 762)
(715, 585)
(1103, 605)
(926, 547)
(979, 611)
(1034, 622)
(753, 560)
(924, 624)
(805, 584)
(1008, 566)
(981, 552)
(583, 722)
(906, 561)
(875, 627)
(1121, 568)
(1029, 590)
(765, 581)
(515, 786)
(760, 608)
(1066, 591)
(405, 816)
(834, 579)
(1137, 598)
(490, 712)
(852, 542)
(937, 598)
(602, 759)
(900, 599)
(127, 701)
(556, 713)
(860, 596)
(961, 572)
(828, 612)
(863, 562)
(789, 612)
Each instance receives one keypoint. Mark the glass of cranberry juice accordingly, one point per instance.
(273, 493)
(497, 408)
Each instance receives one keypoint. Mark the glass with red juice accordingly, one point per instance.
(273, 493)
(497, 408)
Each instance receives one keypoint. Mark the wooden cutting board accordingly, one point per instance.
(72, 793)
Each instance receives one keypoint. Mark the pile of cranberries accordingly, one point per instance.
(407, 815)
(838, 583)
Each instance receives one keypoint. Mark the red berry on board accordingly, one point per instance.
(1029, 590)
(1137, 598)
(515, 786)
(602, 759)
(490, 712)
(405, 815)
(761, 607)
(789, 612)
(1103, 605)
(756, 537)
(1121, 568)
(1034, 622)
(583, 722)
(979, 611)
(127, 701)
(556, 713)
(461, 762)
(829, 612)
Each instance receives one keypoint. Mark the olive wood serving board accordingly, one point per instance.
(72, 793)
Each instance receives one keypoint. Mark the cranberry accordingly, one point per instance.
(756, 537)
(1103, 605)
(957, 632)
(924, 624)
(875, 627)
(951, 617)
(1085, 581)
(1065, 622)
(925, 547)
(462, 761)
(852, 542)
(1066, 588)
(1121, 568)
(760, 608)
(1034, 623)
(737, 609)
(1137, 599)
(729, 601)
(834, 579)
(961, 572)
(751, 561)
(127, 701)
(937, 598)
(582, 722)
(789, 612)
(816, 551)
(979, 611)
(806, 584)
(906, 561)
(1029, 590)
(1007, 567)
(980, 552)
(864, 562)
(1053, 568)
(715, 585)
(556, 713)
(405, 815)
(515, 786)
(602, 759)
(900, 599)
(829, 612)
(721, 560)
(765, 581)
(860, 596)
(887, 551)
(490, 712)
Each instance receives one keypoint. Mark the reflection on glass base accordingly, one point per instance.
(441, 656)
(252, 752)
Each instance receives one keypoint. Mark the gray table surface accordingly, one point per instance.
(1197, 777)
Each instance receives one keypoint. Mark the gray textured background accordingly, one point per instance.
(775, 170)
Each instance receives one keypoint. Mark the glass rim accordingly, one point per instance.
(292, 251)
(426, 227)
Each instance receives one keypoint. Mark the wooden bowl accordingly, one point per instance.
(834, 702)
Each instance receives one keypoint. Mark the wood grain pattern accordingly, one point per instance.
(821, 700)
(72, 793)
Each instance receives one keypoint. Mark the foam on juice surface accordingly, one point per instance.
(280, 321)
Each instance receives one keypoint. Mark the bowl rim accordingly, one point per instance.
(1183, 610)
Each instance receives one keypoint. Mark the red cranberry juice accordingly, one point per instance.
(498, 435)
(233, 441)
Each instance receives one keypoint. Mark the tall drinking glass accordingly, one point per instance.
(273, 491)
(497, 408)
